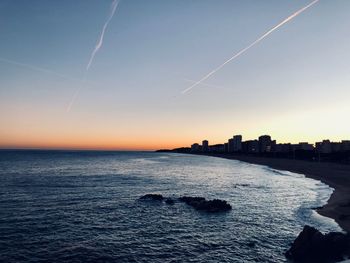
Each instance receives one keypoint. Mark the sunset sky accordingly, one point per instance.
(293, 85)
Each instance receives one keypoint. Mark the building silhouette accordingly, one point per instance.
(265, 146)
(324, 147)
(251, 146)
(265, 143)
(205, 146)
(195, 147)
(235, 144)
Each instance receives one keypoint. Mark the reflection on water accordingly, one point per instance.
(82, 206)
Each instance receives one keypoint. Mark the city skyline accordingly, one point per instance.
(236, 142)
(130, 61)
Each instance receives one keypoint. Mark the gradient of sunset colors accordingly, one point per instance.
(293, 85)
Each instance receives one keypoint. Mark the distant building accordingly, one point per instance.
(336, 146)
(237, 143)
(305, 146)
(226, 147)
(345, 146)
(251, 146)
(327, 146)
(217, 148)
(230, 145)
(324, 147)
(273, 146)
(205, 146)
(265, 143)
(324, 150)
(283, 148)
(195, 147)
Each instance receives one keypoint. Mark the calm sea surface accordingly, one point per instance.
(83, 207)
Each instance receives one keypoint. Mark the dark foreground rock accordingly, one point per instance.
(313, 246)
(169, 201)
(212, 206)
(198, 203)
(152, 197)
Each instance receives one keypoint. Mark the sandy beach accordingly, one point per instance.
(335, 175)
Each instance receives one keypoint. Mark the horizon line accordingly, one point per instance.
(73, 149)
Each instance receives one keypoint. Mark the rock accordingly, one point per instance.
(242, 185)
(199, 203)
(169, 201)
(313, 246)
(212, 206)
(152, 197)
(190, 200)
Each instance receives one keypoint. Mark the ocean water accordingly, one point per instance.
(58, 206)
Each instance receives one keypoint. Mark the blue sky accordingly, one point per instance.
(286, 85)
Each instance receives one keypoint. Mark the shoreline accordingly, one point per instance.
(334, 175)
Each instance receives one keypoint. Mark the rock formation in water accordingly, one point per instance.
(212, 206)
(152, 197)
(313, 246)
(169, 201)
(198, 203)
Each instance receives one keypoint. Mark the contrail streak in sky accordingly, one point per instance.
(251, 45)
(48, 71)
(74, 98)
(100, 40)
(99, 44)
(35, 68)
(40, 69)
(205, 84)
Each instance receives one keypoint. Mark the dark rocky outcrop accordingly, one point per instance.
(152, 197)
(198, 203)
(212, 206)
(169, 201)
(313, 246)
(191, 200)
(241, 185)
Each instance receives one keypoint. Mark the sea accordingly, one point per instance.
(83, 206)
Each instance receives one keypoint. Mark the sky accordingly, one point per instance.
(293, 85)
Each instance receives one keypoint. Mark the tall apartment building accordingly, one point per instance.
(265, 143)
(205, 146)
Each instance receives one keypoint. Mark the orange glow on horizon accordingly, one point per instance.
(93, 144)
(27, 128)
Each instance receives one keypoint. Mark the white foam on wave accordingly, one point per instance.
(283, 172)
(324, 192)
(308, 213)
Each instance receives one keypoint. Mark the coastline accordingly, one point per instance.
(334, 175)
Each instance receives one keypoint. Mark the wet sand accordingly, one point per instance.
(335, 175)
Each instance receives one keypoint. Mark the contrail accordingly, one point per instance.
(48, 71)
(205, 84)
(41, 69)
(73, 99)
(100, 40)
(35, 68)
(251, 45)
(99, 44)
